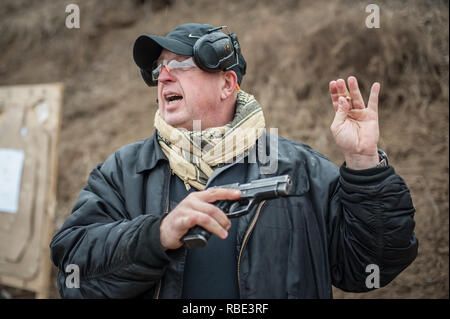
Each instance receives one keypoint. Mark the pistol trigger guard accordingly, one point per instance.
(224, 206)
(242, 211)
(233, 207)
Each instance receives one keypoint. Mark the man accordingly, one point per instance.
(126, 230)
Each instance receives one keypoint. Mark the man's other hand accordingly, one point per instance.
(197, 209)
(355, 127)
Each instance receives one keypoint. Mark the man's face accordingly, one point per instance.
(188, 95)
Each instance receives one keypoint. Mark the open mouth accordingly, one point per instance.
(172, 98)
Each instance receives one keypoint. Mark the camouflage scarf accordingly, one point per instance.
(193, 155)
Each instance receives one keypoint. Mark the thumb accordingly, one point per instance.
(342, 110)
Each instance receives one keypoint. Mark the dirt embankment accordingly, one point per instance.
(293, 49)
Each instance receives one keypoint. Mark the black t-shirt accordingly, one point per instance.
(210, 271)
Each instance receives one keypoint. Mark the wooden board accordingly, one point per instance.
(30, 120)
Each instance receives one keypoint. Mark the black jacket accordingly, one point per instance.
(336, 224)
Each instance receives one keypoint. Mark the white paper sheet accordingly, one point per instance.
(11, 164)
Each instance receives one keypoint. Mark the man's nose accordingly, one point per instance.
(165, 75)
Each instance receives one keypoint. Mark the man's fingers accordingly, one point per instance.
(343, 108)
(341, 114)
(197, 209)
(215, 194)
(334, 95)
(195, 218)
(342, 88)
(214, 212)
(373, 98)
(355, 93)
(344, 105)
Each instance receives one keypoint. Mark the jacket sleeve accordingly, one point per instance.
(370, 228)
(117, 257)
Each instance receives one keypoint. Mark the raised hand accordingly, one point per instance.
(355, 126)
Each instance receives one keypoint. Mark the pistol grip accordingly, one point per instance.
(196, 237)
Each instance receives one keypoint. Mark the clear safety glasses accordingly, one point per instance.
(170, 66)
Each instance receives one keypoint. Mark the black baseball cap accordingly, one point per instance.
(180, 40)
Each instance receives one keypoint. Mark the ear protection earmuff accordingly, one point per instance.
(216, 51)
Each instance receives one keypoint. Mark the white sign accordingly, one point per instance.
(11, 164)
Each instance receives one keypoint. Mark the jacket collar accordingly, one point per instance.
(149, 154)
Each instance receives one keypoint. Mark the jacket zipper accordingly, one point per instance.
(247, 235)
(166, 211)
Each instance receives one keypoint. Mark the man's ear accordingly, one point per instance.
(229, 84)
